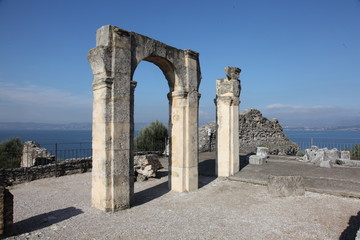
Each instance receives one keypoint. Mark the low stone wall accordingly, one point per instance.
(27, 174)
(6, 212)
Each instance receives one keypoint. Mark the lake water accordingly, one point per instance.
(81, 139)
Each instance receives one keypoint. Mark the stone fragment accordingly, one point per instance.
(34, 155)
(318, 157)
(147, 165)
(345, 155)
(257, 160)
(262, 152)
(331, 155)
(283, 186)
(326, 164)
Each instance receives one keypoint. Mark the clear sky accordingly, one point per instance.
(300, 59)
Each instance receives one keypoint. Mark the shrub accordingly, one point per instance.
(152, 137)
(10, 153)
(355, 152)
(300, 153)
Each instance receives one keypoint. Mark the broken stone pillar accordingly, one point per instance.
(227, 119)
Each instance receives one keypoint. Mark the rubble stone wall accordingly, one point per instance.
(254, 131)
(27, 174)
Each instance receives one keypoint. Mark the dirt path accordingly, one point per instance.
(59, 208)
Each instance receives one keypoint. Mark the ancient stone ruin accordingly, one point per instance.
(254, 131)
(324, 157)
(227, 119)
(33, 155)
(113, 61)
(146, 166)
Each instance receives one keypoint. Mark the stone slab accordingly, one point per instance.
(257, 160)
(284, 186)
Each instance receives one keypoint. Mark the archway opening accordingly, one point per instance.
(151, 105)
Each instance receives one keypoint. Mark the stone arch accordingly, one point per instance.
(113, 62)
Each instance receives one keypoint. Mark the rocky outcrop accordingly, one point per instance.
(254, 131)
(34, 155)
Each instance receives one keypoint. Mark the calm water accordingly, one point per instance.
(329, 139)
(71, 139)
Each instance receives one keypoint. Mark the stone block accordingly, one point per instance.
(326, 164)
(345, 155)
(257, 160)
(331, 155)
(283, 186)
(262, 152)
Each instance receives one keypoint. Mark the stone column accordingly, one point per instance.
(183, 162)
(227, 118)
(112, 172)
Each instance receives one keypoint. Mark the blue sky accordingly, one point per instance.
(300, 60)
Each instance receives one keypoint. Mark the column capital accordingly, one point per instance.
(177, 94)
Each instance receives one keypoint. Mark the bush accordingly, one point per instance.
(355, 152)
(152, 137)
(10, 153)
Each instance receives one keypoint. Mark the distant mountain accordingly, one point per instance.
(55, 126)
(43, 126)
(343, 128)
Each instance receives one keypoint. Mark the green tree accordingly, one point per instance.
(10, 153)
(355, 152)
(152, 138)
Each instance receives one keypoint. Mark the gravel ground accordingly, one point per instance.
(59, 208)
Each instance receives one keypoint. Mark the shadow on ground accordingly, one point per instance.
(149, 194)
(45, 220)
(206, 172)
(352, 229)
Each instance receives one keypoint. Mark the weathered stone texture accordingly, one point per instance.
(284, 186)
(26, 174)
(147, 165)
(254, 131)
(227, 119)
(113, 62)
(33, 155)
(257, 160)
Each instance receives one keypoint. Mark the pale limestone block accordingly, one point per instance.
(257, 160)
(283, 186)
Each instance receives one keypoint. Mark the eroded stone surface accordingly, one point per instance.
(284, 186)
(227, 118)
(254, 131)
(113, 62)
(33, 154)
(257, 160)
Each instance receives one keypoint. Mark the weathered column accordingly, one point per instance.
(183, 170)
(112, 172)
(227, 118)
(184, 127)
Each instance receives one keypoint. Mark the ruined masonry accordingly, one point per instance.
(113, 62)
(227, 119)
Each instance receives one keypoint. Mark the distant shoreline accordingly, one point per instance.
(138, 126)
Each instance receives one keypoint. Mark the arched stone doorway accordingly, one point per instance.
(113, 62)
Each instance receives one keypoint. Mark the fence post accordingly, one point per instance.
(56, 158)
